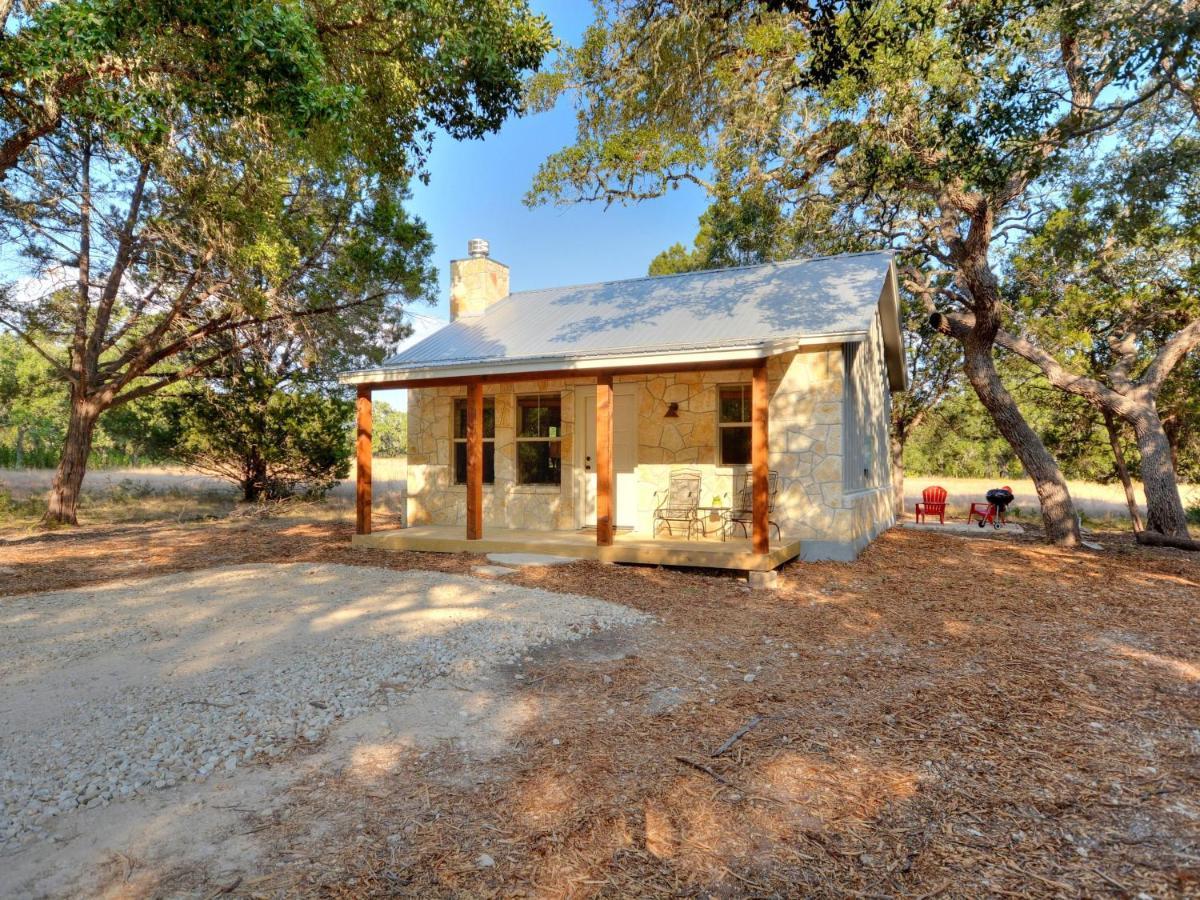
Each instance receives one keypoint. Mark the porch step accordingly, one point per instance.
(531, 559)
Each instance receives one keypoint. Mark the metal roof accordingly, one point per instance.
(832, 298)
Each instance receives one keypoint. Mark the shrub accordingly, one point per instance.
(272, 442)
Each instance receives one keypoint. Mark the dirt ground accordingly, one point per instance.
(947, 716)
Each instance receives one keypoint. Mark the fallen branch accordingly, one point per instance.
(1156, 539)
(700, 767)
(227, 889)
(737, 736)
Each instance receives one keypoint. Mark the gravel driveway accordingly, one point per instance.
(134, 687)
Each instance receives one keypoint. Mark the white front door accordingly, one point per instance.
(624, 456)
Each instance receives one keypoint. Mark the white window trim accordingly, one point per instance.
(749, 423)
(518, 484)
(454, 441)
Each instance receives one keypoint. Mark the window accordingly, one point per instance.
(489, 440)
(858, 437)
(539, 439)
(733, 424)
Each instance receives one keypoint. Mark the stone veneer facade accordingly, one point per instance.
(805, 426)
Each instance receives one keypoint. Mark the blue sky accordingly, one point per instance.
(476, 190)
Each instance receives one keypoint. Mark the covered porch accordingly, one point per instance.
(754, 552)
(626, 547)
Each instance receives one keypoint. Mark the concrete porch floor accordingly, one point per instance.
(630, 547)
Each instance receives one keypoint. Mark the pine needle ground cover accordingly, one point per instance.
(946, 716)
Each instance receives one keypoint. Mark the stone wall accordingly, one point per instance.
(873, 508)
(805, 441)
(475, 284)
(434, 498)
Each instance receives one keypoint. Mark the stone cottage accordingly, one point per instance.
(561, 414)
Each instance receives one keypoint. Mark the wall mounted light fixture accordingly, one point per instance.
(672, 411)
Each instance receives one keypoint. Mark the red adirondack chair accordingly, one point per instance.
(933, 503)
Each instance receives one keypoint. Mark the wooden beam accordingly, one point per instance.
(759, 462)
(583, 376)
(474, 461)
(362, 475)
(604, 460)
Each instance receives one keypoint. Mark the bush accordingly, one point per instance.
(272, 442)
(14, 508)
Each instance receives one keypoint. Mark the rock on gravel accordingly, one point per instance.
(495, 571)
(531, 559)
(136, 686)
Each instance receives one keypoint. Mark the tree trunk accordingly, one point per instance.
(1154, 539)
(1114, 439)
(1058, 510)
(20, 460)
(255, 481)
(1164, 506)
(897, 448)
(63, 504)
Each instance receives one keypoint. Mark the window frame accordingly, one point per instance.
(460, 403)
(747, 405)
(859, 453)
(518, 439)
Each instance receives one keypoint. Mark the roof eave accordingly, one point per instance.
(893, 331)
(590, 365)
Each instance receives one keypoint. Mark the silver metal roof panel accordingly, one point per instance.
(802, 299)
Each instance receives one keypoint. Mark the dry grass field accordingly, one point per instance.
(175, 494)
(1097, 502)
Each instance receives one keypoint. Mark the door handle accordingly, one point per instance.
(587, 463)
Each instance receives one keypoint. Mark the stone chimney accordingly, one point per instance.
(476, 282)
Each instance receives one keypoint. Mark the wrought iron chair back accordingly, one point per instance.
(742, 513)
(681, 502)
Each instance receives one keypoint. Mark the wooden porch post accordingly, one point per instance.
(362, 475)
(604, 460)
(758, 458)
(475, 461)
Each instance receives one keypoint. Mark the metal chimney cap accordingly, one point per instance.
(477, 248)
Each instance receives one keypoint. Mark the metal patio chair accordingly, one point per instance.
(742, 513)
(681, 504)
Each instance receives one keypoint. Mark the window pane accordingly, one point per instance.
(539, 462)
(734, 404)
(735, 446)
(539, 416)
(460, 462)
(489, 417)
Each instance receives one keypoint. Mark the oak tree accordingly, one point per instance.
(178, 175)
(923, 125)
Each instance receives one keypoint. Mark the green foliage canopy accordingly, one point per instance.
(371, 77)
(178, 177)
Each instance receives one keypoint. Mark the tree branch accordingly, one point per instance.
(62, 371)
(83, 303)
(187, 372)
(1179, 345)
(124, 254)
